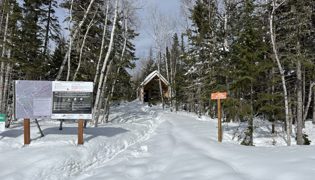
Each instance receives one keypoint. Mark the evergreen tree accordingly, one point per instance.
(247, 60)
(202, 54)
(29, 53)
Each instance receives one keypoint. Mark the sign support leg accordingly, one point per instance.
(80, 131)
(219, 122)
(27, 132)
(40, 129)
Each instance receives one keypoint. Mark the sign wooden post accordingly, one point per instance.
(219, 122)
(80, 131)
(27, 132)
(218, 96)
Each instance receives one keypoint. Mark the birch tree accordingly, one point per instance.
(82, 46)
(73, 36)
(275, 5)
(111, 92)
(162, 28)
(102, 44)
(70, 42)
(3, 55)
(103, 72)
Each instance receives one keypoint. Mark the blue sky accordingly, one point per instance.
(169, 8)
(144, 41)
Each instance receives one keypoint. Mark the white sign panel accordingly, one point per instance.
(72, 100)
(32, 99)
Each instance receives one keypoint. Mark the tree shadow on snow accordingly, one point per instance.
(11, 133)
(93, 132)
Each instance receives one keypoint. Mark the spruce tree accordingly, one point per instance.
(247, 58)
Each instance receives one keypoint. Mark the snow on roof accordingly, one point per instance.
(151, 76)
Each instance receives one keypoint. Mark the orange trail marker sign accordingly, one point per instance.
(218, 96)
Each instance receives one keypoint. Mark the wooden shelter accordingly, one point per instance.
(149, 90)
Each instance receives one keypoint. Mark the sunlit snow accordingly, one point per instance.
(143, 143)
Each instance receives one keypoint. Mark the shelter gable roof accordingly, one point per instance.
(153, 75)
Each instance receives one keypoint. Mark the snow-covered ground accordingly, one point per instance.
(143, 143)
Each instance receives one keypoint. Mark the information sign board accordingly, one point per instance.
(72, 100)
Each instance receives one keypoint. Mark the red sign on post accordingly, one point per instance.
(219, 95)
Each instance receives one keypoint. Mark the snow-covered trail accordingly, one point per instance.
(144, 143)
(183, 147)
(175, 151)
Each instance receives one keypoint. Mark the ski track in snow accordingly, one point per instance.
(136, 123)
(170, 143)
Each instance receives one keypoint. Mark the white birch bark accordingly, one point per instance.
(171, 83)
(103, 90)
(73, 37)
(226, 16)
(99, 88)
(82, 46)
(102, 45)
(2, 62)
(110, 95)
(70, 43)
(160, 83)
(308, 101)
(5, 90)
(285, 92)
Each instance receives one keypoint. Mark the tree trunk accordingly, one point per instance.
(6, 88)
(82, 46)
(102, 45)
(306, 109)
(65, 59)
(105, 64)
(103, 90)
(226, 45)
(251, 119)
(171, 83)
(2, 67)
(70, 44)
(285, 93)
(299, 117)
(110, 95)
(47, 29)
(160, 83)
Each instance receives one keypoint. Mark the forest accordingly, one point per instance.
(262, 52)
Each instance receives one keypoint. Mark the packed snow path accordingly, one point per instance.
(143, 143)
(176, 150)
(184, 147)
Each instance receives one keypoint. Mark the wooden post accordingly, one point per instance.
(80, 131)
(219, 122)
(27, 132)
(218, 96)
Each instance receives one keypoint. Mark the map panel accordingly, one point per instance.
(33, 99)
